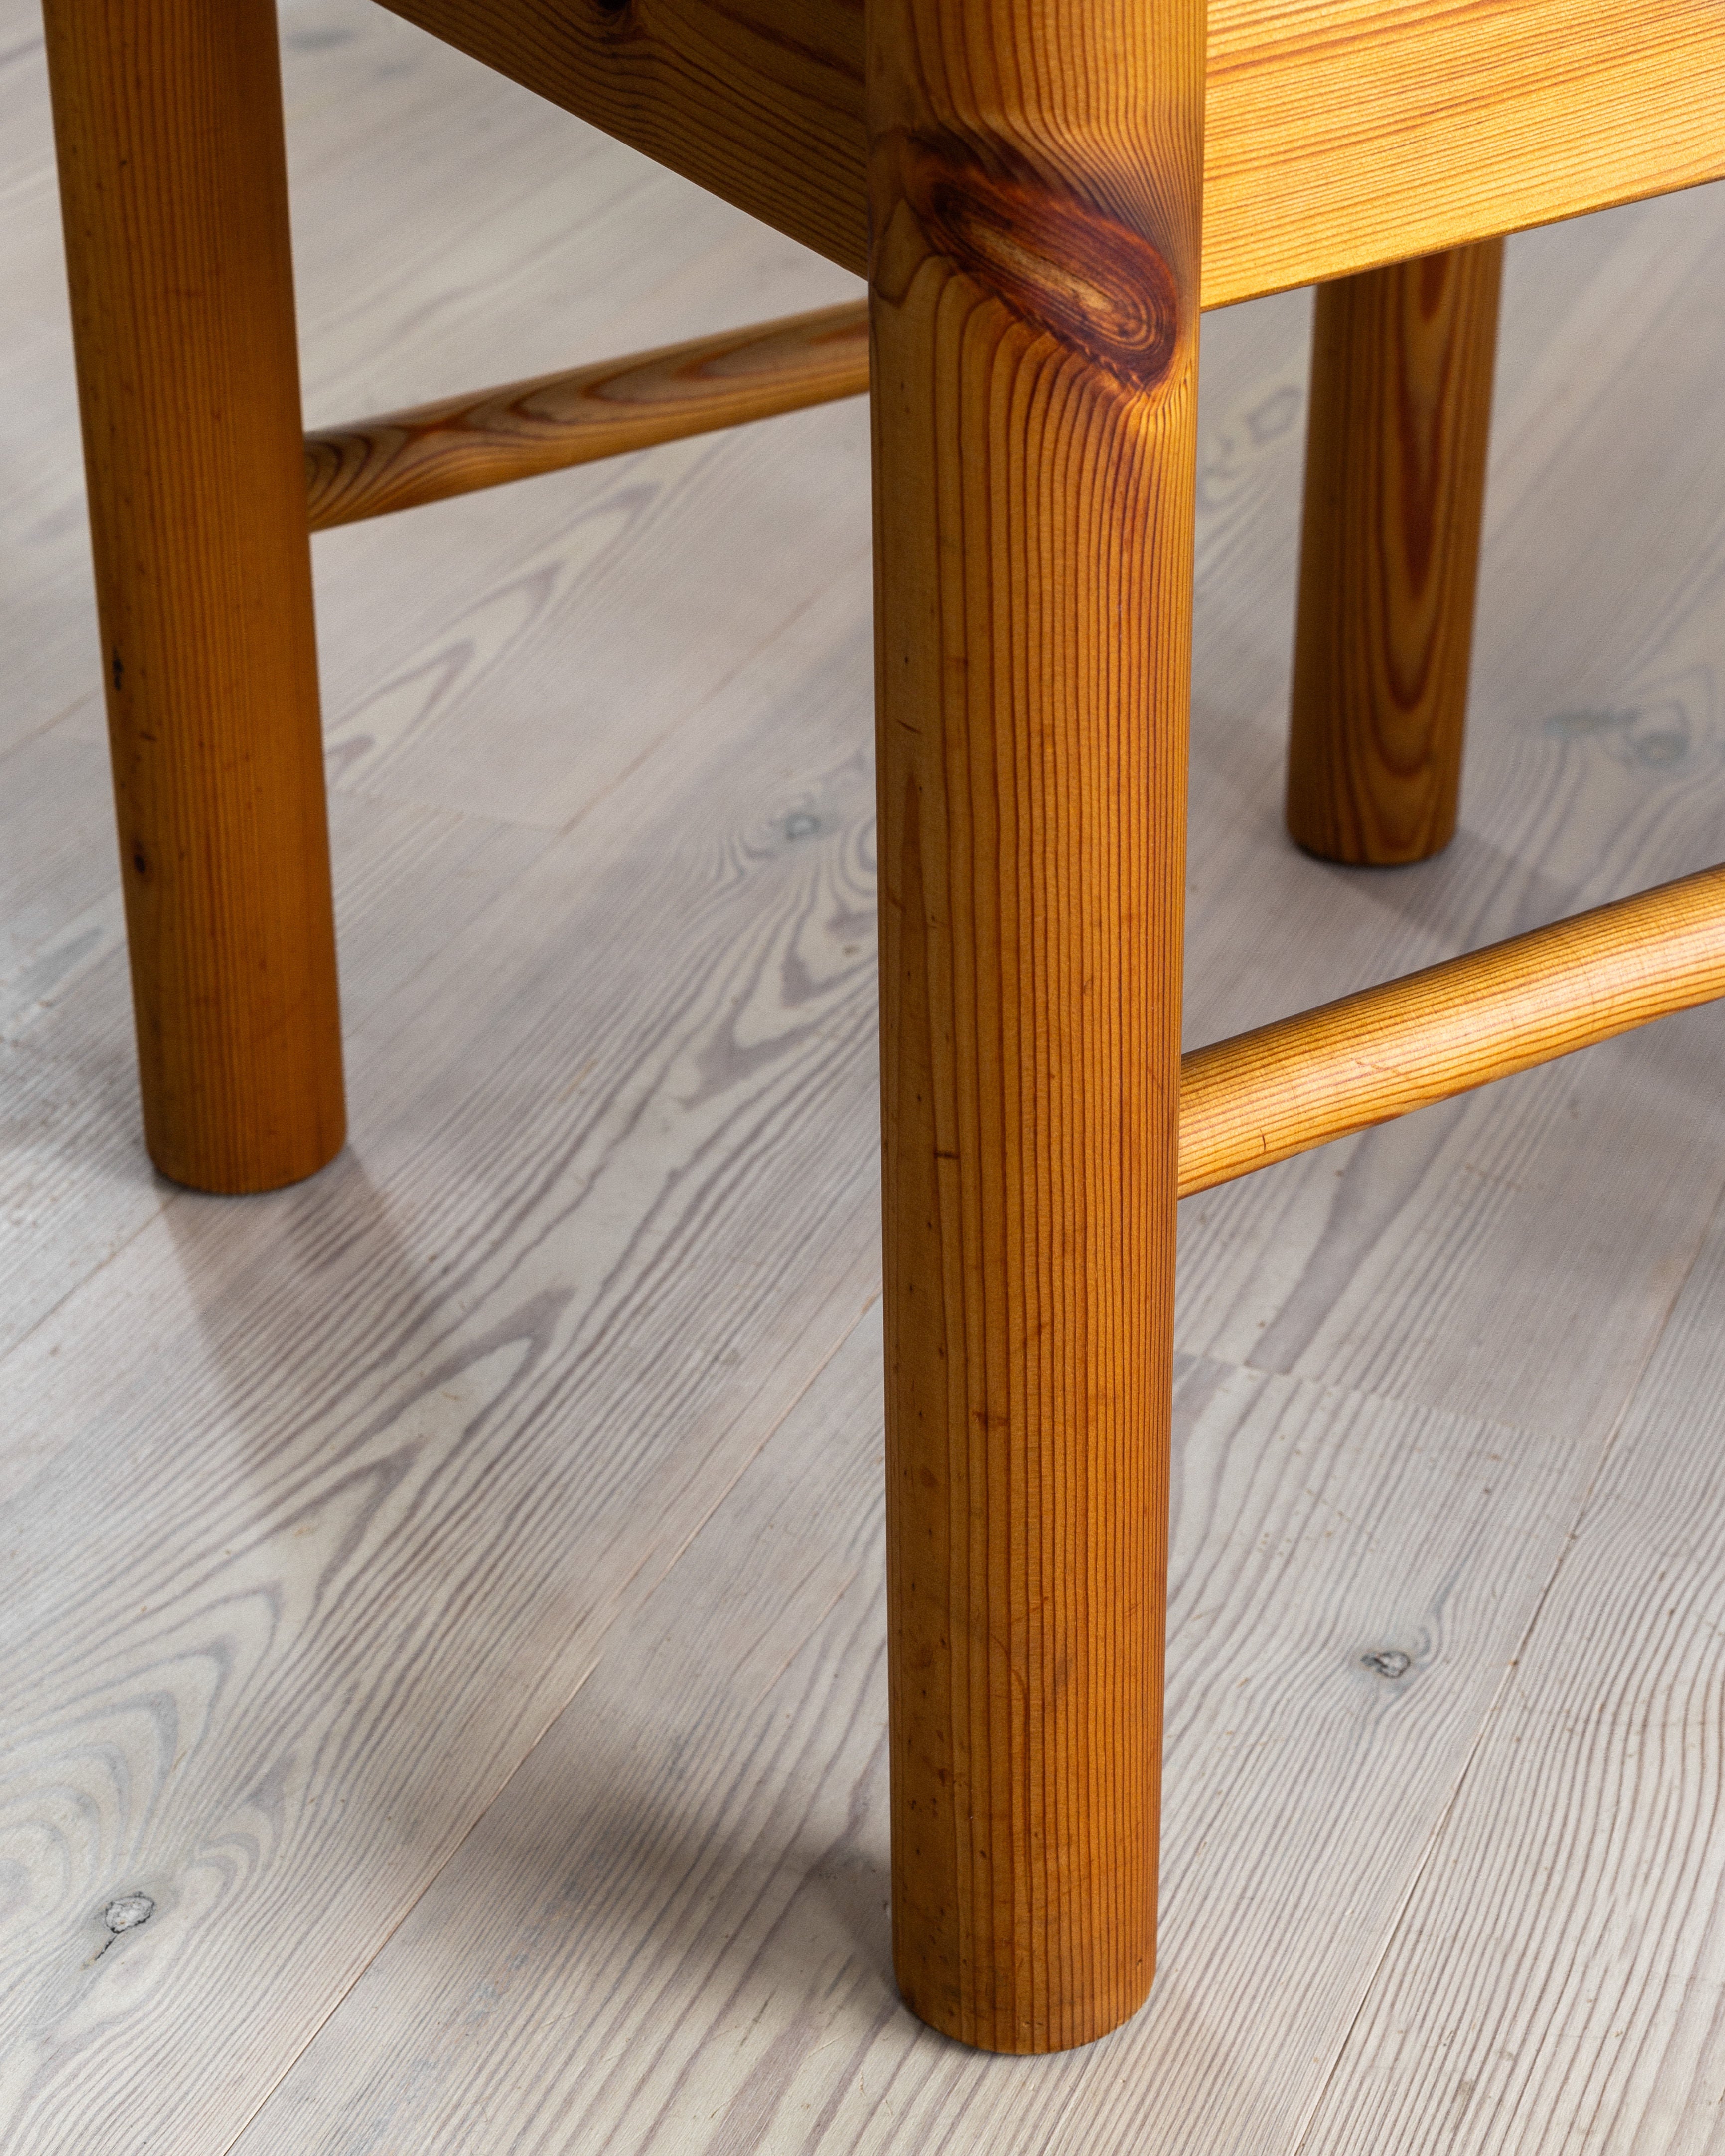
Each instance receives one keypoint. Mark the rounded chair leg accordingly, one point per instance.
(1395, 478)
(1033, 301)
(174, 192)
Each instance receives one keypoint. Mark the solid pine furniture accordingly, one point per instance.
(1042, 193)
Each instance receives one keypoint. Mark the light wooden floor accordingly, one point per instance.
(449, 1591)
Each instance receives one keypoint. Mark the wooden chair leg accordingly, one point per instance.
(173, 187)
(1035, 175)
(1395, 482)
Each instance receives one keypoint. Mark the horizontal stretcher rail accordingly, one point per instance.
(1338, 134)
(1282, 1089)
(400, 459)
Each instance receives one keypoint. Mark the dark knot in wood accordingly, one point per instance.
(1091, 282)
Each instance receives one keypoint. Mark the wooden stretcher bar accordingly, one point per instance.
(1264, 1095)
(1499, 117)
(401, 460)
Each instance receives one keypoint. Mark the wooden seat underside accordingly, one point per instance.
(1340, 134)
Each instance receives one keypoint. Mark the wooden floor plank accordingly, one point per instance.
(670, 1932)
(318, 1508)
(75, 1180)
(523, 662)
(392, 1449)
(523, 686)
(1557, 1980)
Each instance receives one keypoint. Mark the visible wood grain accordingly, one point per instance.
(1324, 1073)
(1035, 175)
(400, 459)
(339, 1412)
(174, 194)
(44, 579)
(561, 240)
(1524, 1213)
(1511, 1255)
(653, 1942)
(1587, 2011)
(1343, 134)
(759, 1665)
(370, 101)
(760, 100)
(1500, 117)
(471, 693)
(1395, 483)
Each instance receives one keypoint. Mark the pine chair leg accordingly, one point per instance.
(1034, 173)
(1395, 480)
(174, 192)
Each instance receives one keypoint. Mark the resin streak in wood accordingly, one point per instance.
(1500, 117)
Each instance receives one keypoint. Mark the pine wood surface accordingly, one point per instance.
(1397, 435)
(1322, 1074)
(523, 429)
(760, 100)
(656, 1163)
(1033, 546)
(175, 211)
(652, 260)
(719, 1958)
(1503, 117)
(1508, 1259)
(1594, 711)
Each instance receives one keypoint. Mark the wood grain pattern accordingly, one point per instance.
(1589, 1822)
(712, 1957)
(1502, 117)
(174, 195)
(1398, 429)
(491, 608)
(1323, 1074)
(1596, 771)
(342, 1413)
(760, 100)
(401, 460)
(1034, 295)
(653, 1944)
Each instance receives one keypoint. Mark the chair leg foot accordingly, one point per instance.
(1033, 318)
(1402, 361)
(174, 192)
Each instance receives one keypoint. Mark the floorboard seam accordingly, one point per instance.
(483, 1811)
